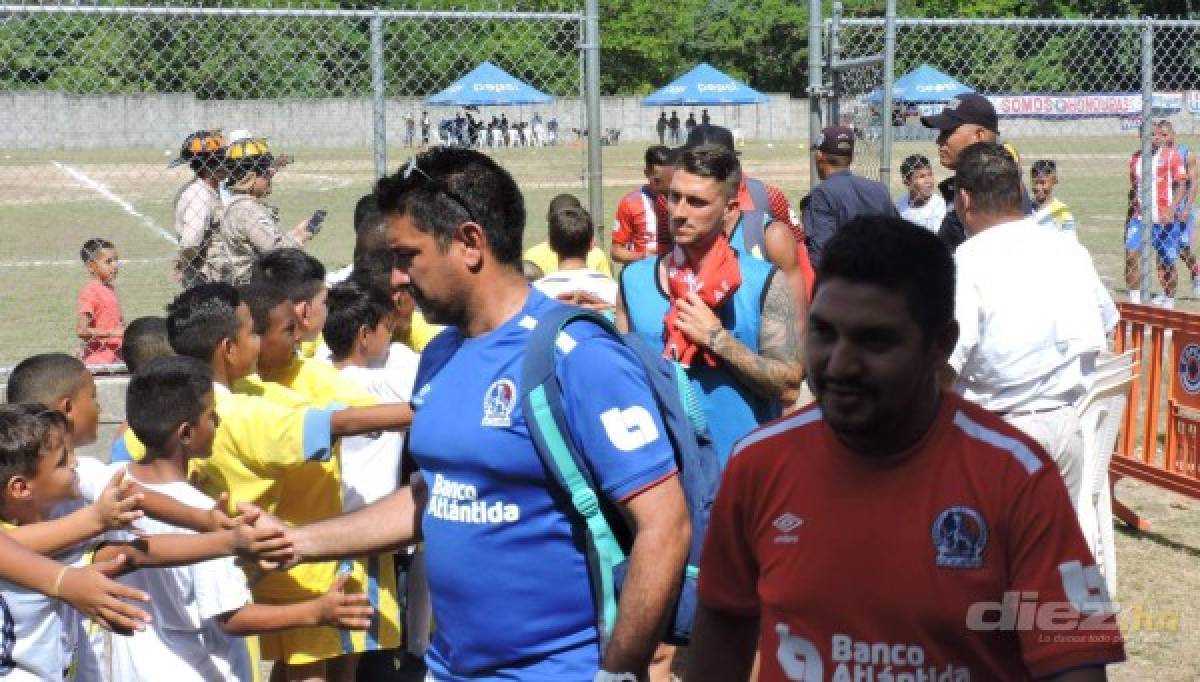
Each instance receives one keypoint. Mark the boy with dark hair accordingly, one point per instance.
(359, 326)
(98, 322)
(571, 235)
(303, 278)
(201, 611)
(1047, 209)
(921, 204)
(62, 383)
(642, 227)
(39, 484)
(542, 257)
(276, 448)
(146, 340)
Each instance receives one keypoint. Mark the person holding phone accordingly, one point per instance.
(250, 227)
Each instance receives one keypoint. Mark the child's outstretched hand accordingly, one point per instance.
(118, 506)
(94, 593)
(218, 519)
(260, 543)
(345, 610)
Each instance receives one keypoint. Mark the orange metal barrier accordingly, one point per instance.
(1160, 439)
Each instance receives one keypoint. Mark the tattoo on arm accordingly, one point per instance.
(777, 370)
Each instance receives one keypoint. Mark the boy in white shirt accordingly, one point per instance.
(570, 234)
(201, 610)
(358, 333)
(921, 204)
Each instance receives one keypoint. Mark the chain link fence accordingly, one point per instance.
(1078, 100)
(96, 101)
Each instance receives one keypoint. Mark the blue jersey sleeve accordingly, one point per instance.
(611, 412)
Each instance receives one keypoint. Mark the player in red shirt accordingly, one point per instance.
(642, 227)
(894, 529)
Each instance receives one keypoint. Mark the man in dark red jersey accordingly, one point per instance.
(894, 527)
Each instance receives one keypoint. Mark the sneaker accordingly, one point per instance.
(1158, 300)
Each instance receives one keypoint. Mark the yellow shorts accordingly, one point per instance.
(374, 575)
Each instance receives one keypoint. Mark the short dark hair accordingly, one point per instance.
(352, 307)
(45, 378)
(713, 161)
(561, 201)
(894, 254)
(201, 317)
(300, 275)
(448, 185)
(92, 247)
(987, 172)
(1043, 167)
(373, 270)
(145, 339)
(366, 208)
(570, 233)
(658, 155)
(163, 394)
(261, 298)
(24, 430)
(912, 164)
(371, 235)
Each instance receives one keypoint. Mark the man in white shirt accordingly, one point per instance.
(920, 205)
(571, 233)
(1030, 307)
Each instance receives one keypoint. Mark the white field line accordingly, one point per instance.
(103, 190)
(43, 263)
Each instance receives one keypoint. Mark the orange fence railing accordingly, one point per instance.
(1160, 439)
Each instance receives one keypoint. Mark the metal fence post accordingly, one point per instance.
(835, 53)
(889, 67)
(815, 85)
(378, 96)
(591, 57)
(1147, 187)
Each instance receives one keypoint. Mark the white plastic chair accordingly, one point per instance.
(1101, 412)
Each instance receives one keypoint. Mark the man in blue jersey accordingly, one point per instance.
(742, 348)
(507, 578)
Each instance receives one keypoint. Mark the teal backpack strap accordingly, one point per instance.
(541, 401)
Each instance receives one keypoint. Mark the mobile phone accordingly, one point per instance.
(314, 223)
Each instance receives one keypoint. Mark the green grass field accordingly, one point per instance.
(51, 202)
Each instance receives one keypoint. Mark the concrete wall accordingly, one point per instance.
(54, 120)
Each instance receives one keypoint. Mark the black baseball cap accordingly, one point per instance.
(837, 140)
(707, 133)
(968, 108)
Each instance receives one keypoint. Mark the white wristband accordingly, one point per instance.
(605, 676)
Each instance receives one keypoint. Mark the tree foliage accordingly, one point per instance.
(645, 43)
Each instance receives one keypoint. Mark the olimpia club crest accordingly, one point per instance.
(1189, 368)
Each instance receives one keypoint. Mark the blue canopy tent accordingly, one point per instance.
(922, 84)
(704, 86)
(488, 85)
(923, 91)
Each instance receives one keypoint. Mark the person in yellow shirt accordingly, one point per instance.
(267, 451)
(1047, 209)
(315, 491)
(542, 256)
(303, 278)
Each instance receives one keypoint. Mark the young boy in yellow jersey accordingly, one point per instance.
(269, 451)
(1047, 209)
(319, 488)
(303, 278)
